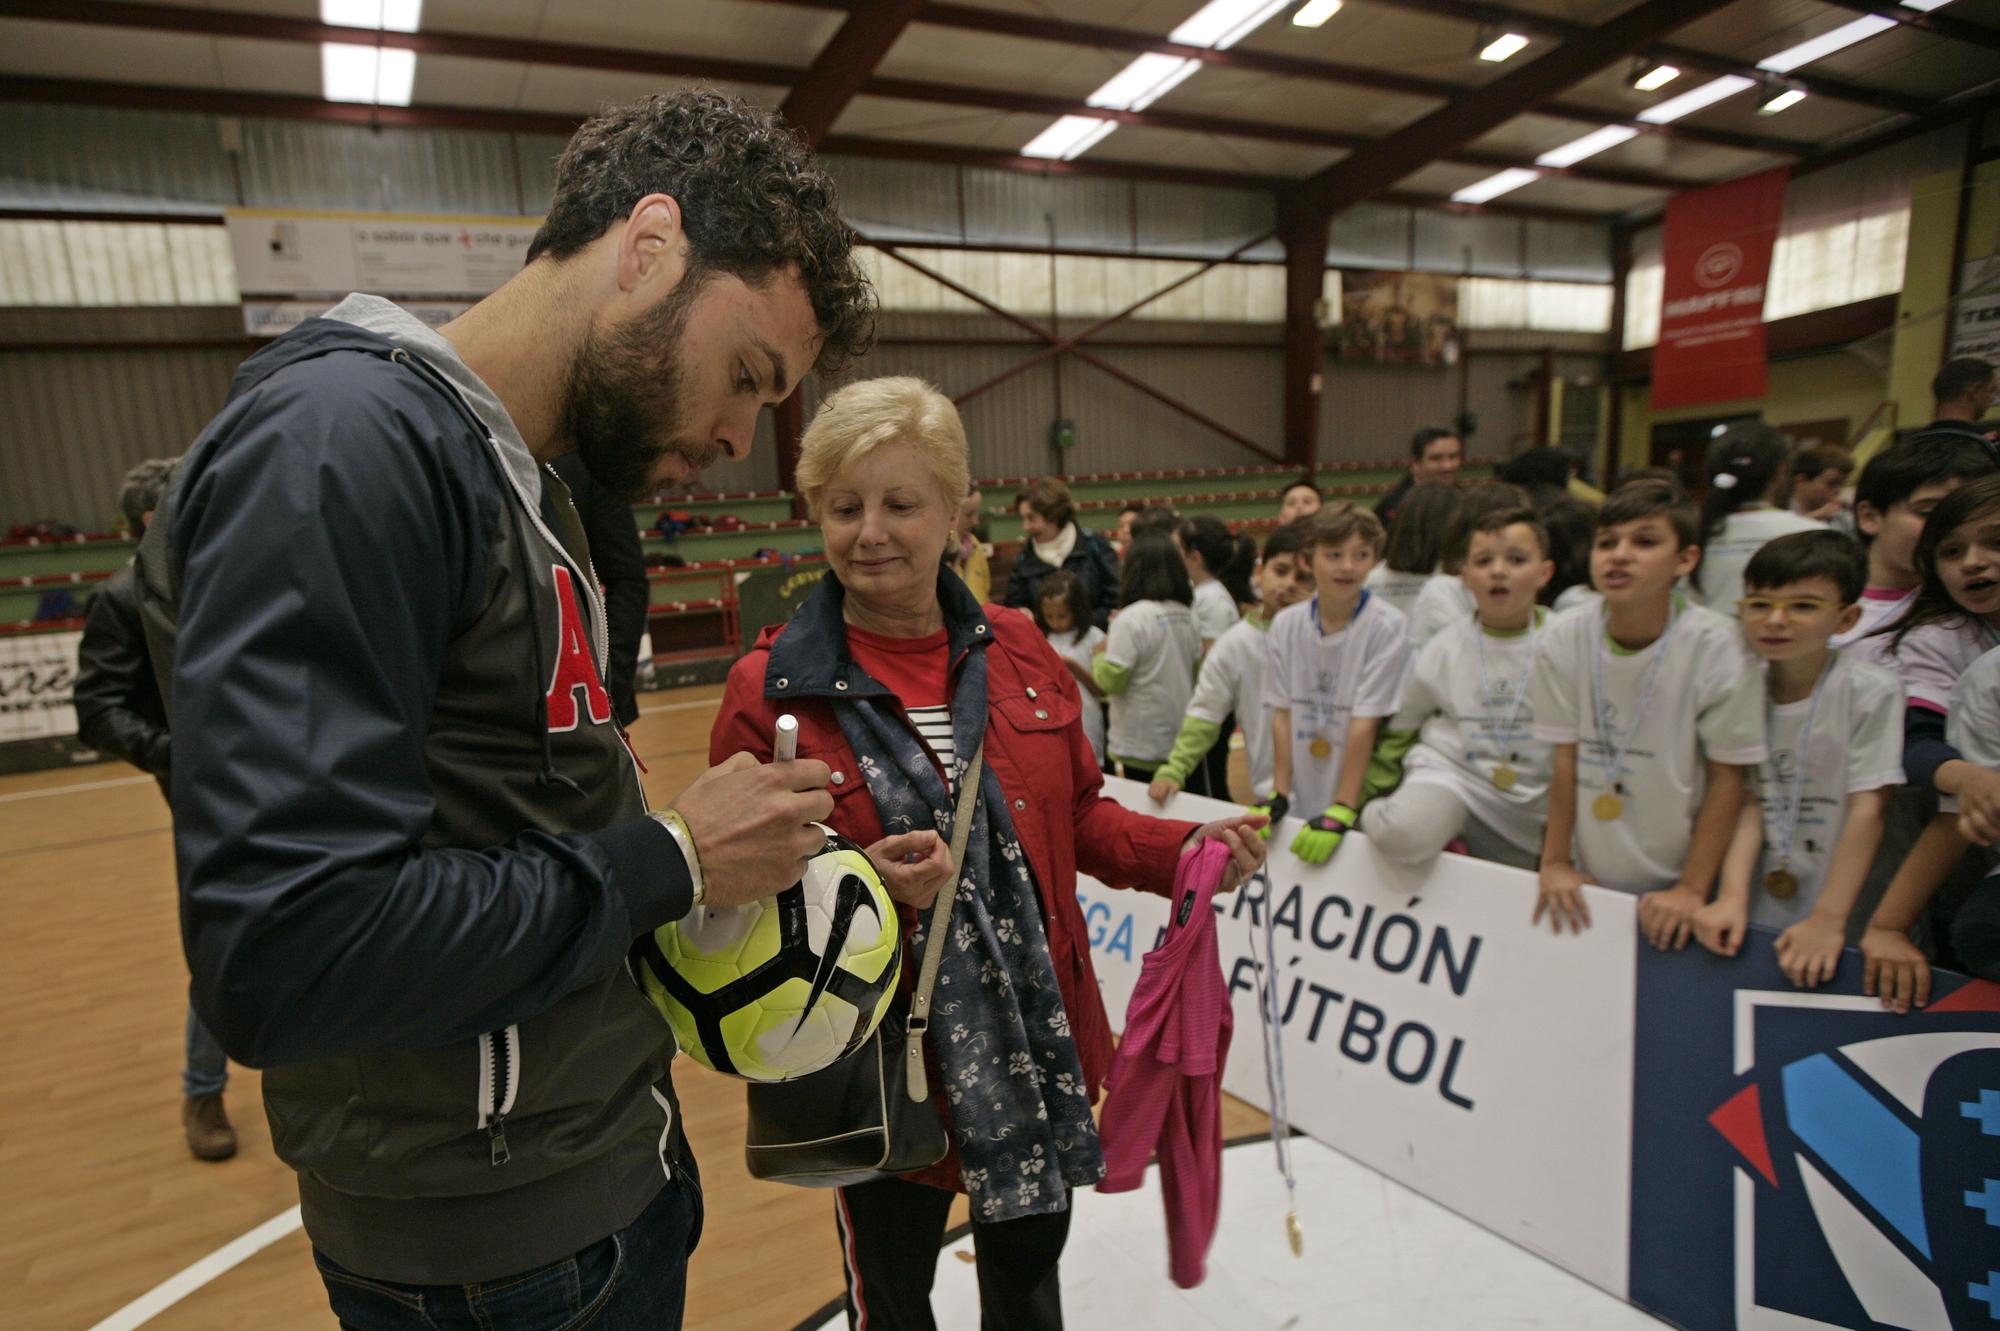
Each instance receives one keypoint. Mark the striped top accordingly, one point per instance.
(934, 726)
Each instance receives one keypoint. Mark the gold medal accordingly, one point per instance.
(1782, 884)
(1607, 807)
(1295, 1233)
(1505, 777)
(1321, 749)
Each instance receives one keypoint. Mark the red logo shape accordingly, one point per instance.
(575, 667)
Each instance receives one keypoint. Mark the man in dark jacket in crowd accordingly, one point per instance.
(620, 564)
(414, 848)
(1965, 389)
(1435, 457)
(118, 712)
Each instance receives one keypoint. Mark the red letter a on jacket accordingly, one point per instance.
(575, 669)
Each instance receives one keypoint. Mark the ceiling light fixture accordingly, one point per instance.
(1589, 145)
(1218, 24)
(1779, 97)
(1503, 47)
(386, 15)
(1648, 77)
(371, 75)
(1818, 48)
(1315, 12)
(1708, 94)
(1495, 185)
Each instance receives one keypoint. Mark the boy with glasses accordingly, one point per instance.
(1833, 729)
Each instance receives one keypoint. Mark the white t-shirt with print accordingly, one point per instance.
(1856, 744)
(1398, 589)
(1232, 681)
(1158, 642)
(1718, 582)
(1582, 593)
(1327, 679)
(1974, 726)
(1931, 657)
(1468, 730)
(1444, 600)
(1080, 647)
(1707, 704)
(1879, 606)
(1214, 609)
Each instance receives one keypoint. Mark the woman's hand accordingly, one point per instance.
(913, 865)
(1246, 848)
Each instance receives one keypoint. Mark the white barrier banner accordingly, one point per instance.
(1429, 1032)
(37, 684)
(283, 253)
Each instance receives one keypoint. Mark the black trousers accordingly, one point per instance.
(890, 1234)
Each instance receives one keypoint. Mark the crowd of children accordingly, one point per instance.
(1775, 708)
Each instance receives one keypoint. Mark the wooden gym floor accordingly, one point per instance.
(102, 1200)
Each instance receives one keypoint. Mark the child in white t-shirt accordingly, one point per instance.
(1893, 499)
(1062, 610)
(1476, 770)
(1656, 711)
(1231, 682)
(1146, 663)
(1219, 564)
(1445, 600)
(1415, 545)
(1336, 669)
(1833, 729)
(1746, 470)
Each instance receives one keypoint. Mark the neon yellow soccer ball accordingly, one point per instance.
(786, 986)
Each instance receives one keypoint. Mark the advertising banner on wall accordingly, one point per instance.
(37, 683)
(1975, 327)
(1717, 263)
(298, 254)
(1690, 1133)
(1398, 318)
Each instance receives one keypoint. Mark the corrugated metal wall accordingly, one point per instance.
(76, 421)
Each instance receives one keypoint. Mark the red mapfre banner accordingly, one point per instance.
(1718, 258)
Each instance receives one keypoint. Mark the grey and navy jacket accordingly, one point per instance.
(118, 708)
(411, 839)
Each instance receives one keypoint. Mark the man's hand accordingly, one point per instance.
(1719, 926)
(1979, 806)
(1163, 789)
(752, 824)
(1561, 898)
(1809, 951)
(1242, 834)
(913, 865)
(1666, 917)
(1895, 968)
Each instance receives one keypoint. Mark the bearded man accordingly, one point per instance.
(412, 840)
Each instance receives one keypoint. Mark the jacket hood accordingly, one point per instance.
(811, 658)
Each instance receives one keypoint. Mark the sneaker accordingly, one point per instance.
(209, 1135)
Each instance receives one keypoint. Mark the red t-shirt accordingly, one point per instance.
(918, 672)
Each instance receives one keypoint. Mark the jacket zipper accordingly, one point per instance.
(499, 1082)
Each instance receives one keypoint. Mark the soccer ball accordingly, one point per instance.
(786, 986)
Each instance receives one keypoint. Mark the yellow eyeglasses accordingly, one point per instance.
(1795, 607)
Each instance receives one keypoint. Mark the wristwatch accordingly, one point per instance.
(684, 838)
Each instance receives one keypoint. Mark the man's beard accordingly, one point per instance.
(622, 408)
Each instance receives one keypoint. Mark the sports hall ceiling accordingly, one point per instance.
(1387, 98)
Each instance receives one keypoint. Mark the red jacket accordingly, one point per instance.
(1034, 744)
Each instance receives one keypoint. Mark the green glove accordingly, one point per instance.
(1275, 808)
(1320, 837)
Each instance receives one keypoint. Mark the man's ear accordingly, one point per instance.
(652, 247)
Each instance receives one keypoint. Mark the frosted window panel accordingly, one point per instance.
(1645, 290)
(34, 265)
(1569, 307)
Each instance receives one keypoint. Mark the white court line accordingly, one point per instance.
(224, 1259)
(680, 706)
(66, 790)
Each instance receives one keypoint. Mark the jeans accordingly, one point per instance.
(636, 1278)
(206, 1071)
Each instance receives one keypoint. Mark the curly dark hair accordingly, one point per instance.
(753, 201)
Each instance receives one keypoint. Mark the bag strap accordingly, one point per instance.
(920, 997)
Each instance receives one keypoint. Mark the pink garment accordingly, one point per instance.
(1165, 1085)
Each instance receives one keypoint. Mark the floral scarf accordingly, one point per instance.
(1019, 1107)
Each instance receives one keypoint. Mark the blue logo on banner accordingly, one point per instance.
(1801, 1158)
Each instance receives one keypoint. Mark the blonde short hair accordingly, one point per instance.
(897, 409)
